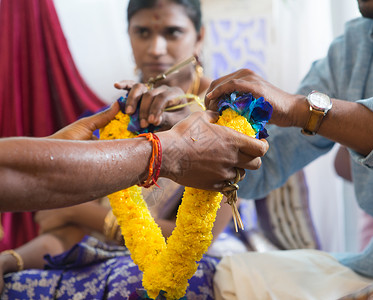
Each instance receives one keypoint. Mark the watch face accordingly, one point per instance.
(319, 101)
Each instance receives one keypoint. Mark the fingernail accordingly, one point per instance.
(151, 119)
(129, 109)
(158, 121)
(208, 95)
(143, 123)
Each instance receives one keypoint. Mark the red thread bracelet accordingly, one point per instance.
(155, 159)
(158, 163)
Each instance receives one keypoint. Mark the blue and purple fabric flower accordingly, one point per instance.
(134, 125)
(256, 111)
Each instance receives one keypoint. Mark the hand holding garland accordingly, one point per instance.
(293, 110)
(168, 266)
(208, 153)
(54, 172)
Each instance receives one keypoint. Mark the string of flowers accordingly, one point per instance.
(167, 267)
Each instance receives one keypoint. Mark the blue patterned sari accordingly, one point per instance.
(95, 270)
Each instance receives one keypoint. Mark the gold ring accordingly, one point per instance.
(238, 176)
(230, 187)
(233, 186)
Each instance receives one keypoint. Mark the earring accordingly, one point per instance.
(199, 70)
(198, 66)
(137, 71)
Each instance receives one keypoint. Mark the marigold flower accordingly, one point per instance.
(167, 266)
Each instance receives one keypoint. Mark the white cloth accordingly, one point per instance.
(285, 275)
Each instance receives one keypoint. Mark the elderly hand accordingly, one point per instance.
(285, 105)
(204, 155)
(83, 129)
(153, 103)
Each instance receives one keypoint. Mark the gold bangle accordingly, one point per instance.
(18, 258)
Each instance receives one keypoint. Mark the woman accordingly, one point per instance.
(162, 34)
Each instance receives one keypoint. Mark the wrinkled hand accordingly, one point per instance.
(200, 154)
(153, 103)
(53, 218)
(284, 104)
(83, 129)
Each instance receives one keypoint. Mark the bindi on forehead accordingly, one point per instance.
(156, 21)
(157, 9)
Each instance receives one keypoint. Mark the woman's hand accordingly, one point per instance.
(55, 218)
(285, 106)
(154, 102)
(7, 265)
(204, 155)
(90, 216)
(83, 129)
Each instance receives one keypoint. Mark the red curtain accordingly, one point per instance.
(40, 88)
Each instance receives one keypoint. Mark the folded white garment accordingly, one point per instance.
(285, 275)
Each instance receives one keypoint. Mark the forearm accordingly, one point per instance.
(32, 253)
(347, 123)
(90, 215)
(44, 174)
(223, 217)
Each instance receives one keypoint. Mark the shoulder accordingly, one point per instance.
(355, 42)
(359, 25)
(357, 31)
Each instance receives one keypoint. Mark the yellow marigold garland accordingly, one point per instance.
(167, 267)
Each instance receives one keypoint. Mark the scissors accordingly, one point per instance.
(174, 68)
(153, 80)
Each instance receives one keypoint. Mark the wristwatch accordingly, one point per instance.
(320, 104)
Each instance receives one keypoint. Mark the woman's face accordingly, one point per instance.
(162, 36)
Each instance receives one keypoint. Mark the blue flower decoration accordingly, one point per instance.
(134, 124)
(256, 111)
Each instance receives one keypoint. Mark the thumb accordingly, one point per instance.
(101, 119)
(211, 116)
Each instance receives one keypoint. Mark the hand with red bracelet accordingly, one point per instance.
(200, 154)
(196, 153)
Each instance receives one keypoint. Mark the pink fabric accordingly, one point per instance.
(40, 88)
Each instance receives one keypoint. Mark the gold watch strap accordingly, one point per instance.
(314, 122)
